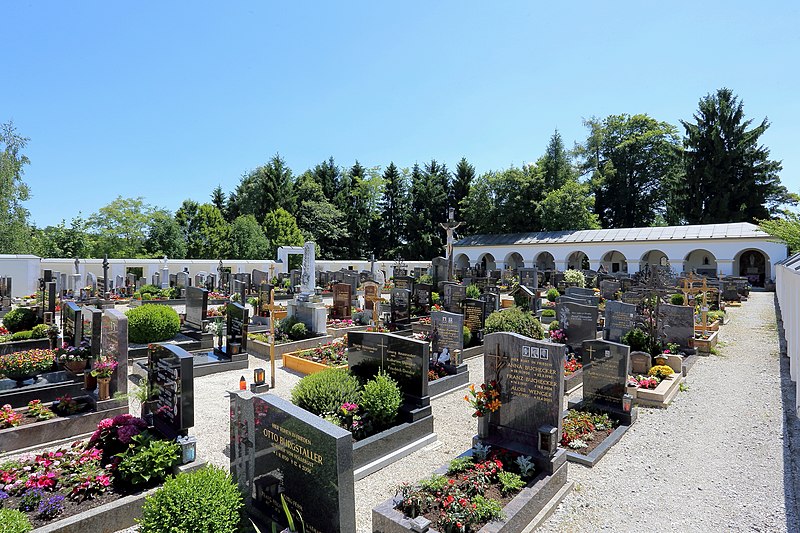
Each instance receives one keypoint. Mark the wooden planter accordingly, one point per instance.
(705, 345)
(338, 333)
(261, 349)
(714, 326)
(305, 366)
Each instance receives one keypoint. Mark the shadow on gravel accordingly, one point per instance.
(791, 435)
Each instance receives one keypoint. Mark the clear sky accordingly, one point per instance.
(166, 100)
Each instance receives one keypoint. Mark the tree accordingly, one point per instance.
(219, 200)
(478, 208)
(556, 165)
(263, 190)
(428, 198)
(729, 176)
(393, 213)
(15, 233)
(462, 179)
(786, 229)
(247, 239)
(120, 228)
(165, 236)
(204, 230)
(63, 241)
(280, 228)
(329, 177)
(568, 208)
(357, 212)
(517, 192)
(323, 223)
(632, 161)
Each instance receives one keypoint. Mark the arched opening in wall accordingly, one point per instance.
(578, 261)
(514, 262)
(486, 263)
(701, 262)
(753, 265)
(545, 261)
(461, 262)
(614, 262)
(653, 258)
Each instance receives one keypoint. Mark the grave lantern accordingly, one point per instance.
(188, 449)
(259, 376)
(548, 441)
(627, 402)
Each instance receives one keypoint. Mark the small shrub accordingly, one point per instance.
(514, 320)
(426, 278)
(20, 319)
(13, 521)
(148, 460)
(549, 313)
(473, 291)
(510, 482)
(30, 499)
(434, 483)
(435, 298)
(204, 500)
(326, 391)
(676, 299)
(486, 509)
(299, 331)
(553, 294)
(661, 371)
(459, 464)
(554, 325)
(152, 323)
(381, 398)
(576, 277)
(39, 331)
(22, 336)
(467, 336)
(637, 339)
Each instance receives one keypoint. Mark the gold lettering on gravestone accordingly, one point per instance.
(533, 379)
(400, 363)
(293, 448)
(472, 318)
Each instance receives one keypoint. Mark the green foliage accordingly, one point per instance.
(20, 319)
(63, 241)
(676, 299)
(467, 336)
(568, 208)
(435, 298)
(22, 336)
(434, 483)
(473, 291)
(203, 500)
(510, 482)
(39, 331)
(14, 521)
(120, 228)
(152, 323)
(554, 325)
(164, 236)
(638, 340)
(575, 276)
(247, 239)
(393, 211)
(427, 278)
(786, 229)
(298, 331)
(459, 464)
(204, 228)
(280, 228)
(322, 221)
(430, 187)
(326, 391)
(148, 460)
(514, 320)
(548, 312)
(487, 509)
(15, 232)
(262, 190)
(381, 398)
(553, 294)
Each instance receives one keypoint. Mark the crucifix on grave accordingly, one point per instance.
(376, 303)
(689, 288)
(105, 275)
(272, 308)
(450, 226)
(500, 362)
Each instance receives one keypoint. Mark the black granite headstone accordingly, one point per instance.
(620, 319)
(280, 452)
(71, 323)
(404, 282)
(401, 309)
(605, 374)
(528, 277)
(457, 293)
(196, 306)
(170, 369)
(447, 335)
(91, 328)
(238, 317)
(474, 316)
(422, 296)
(608, 289)
(492, 304)
(579, 322)
(342, 301)
(114, 345)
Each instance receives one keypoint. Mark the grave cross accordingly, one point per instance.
(500, 362)
(383, 347)
(450, 226)
(271, 308)
(375, 304)
(105, 275)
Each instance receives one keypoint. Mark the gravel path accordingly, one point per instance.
(713, 460)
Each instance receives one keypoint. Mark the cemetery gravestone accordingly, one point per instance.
(259, 276)
(280, 452)
(529, 278)
(236, 336)
(196, 307)
(342, 299)
(446, 336)
(404, 282)
(401, 312)
(71, 323)
(474, 317)
(641, 363)
(422, 296)
(579, 322)
(457, 294)
(171, 370)
(608, 289)
(371, 294)
(620, 319)
(676, 323)
(605, 375)
(91, 328)
(114, 345)
(491, 304)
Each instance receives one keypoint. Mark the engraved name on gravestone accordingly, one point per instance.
(404, 282)
(401, 311)
(422, 295)
(608, 289)
(605, 374)
(531, 377)
(403, 358)
(473, 316)
(278, 452)
(578, 321)
(457, 295)
(446, 335)
(114, 345)
(171, 370)
(676, 323)
(620, 319)
(491, 303)
(342, 300)
(196, 306)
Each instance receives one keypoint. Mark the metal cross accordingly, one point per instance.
(500, 361)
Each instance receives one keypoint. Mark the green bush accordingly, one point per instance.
(514, 320)
(22, 336)
(575, 276)
(435, 298)
(473, 291)
(426, 278)
(510, 482)
(467, 336)
(549, 312)
(150, 289)
(554, 325)
(152, 323)
(459, 464)
(676, 299)
(13, 521)
(20, 319)
(487, 509)
(637, 339)
(203, 500)
(326, 391)
(39, 331)
(381, 398)
(148, 461)
(553, 294)
(298, 332)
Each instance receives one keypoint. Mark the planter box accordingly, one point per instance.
(305, 366)
(662, 395)
(47, 387)
(469, 353)
(338, 333)
(547, 319)
(416, 327)
(449, 383)
(595, 455)
(714, 326)
(705, 345)
(528, 508)
(261, 349)
(573, 381)
(59, 428)
(187, 343)
(387, 447)
(20, 346)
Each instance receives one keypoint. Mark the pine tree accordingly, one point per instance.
(429, 195)
(462, 179)
(728, 175)
(263, 190)
(356, 209)
(393, 207)
(218, 199)
(556, 165)
(328, 175)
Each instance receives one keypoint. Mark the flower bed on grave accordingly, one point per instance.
(705, 343)
(657, 389)
(122, 458)
(20, 366)
(311, 361)
(584, 431)
(573, 375)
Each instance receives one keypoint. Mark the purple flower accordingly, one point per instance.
(51, 507)
(126, 433)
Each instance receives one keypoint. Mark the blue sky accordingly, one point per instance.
(166, 100)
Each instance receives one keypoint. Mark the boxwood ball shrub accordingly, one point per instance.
(514, 320)
(549, 312)
(22, 335)
(326, 391)
(20, 319)
(203, 500)
(381, 398)
(676, 299)
(553, 294)
(13, 521)
(152, 323)
(39, 331)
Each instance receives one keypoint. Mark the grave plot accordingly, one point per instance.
(515, 468)
(446, 369)
(655, 385)
(317, 359)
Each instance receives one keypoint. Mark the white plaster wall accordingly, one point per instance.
(788, 292)
(24, 273)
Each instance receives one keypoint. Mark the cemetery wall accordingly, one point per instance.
(788, 294)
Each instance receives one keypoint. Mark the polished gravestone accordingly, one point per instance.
(114, 345)
(608, 289)
(474, 317)
(342, 301)
(170, 370)
(620, 319)
(282, 453)
(676, 323)
(400, 307)
(71, 323)
(579, 322)
(196, 307)
(447, 333)
(605, 375)
(422, 296)
(90, 329)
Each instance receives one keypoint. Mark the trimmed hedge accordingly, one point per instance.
(326, 391)
(514, 320)
(20, 319)
(152, 323)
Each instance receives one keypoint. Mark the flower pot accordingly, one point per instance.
(104, 391)
(76, 367)
(483, 427)
(89, 381)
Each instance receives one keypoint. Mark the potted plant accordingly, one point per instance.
(484, 401)
(103, 370)
(74, 358)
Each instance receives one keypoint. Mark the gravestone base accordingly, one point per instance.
(45, 387)
(626, 419)
(409, 413)
(313, 314)
(206, 339)
(544, 463)
(450, 383)
(389, 446)
(208, 362)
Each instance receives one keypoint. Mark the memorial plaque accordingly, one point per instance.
(71, 323)
(605, 374)
(371, 294)
(620, 319)
(196, 307)
(457, 295)
(632, 297)
(579, 322)
(401, 311)
(404, 282)
(474, 317)
(447, 336)
(342, 301)
(608, 289)
(531, 377)
(90, 329)
(281, 452)
(676, 323)
(114, 345)
(171, 370)
(492, 303)
(264, 295)
(422, 296)
(403, 358)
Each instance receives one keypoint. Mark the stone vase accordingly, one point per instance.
(483, 427)
(89, 381)
(76, 367)
(104, 390)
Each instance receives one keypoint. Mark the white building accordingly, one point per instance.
(739, 249)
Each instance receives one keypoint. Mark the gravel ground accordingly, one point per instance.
(713, 460)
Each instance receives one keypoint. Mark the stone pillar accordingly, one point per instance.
(164, 278)
(594, 264)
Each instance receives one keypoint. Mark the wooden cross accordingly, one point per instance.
(272, 336)
(383, 347)
(375, 305)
